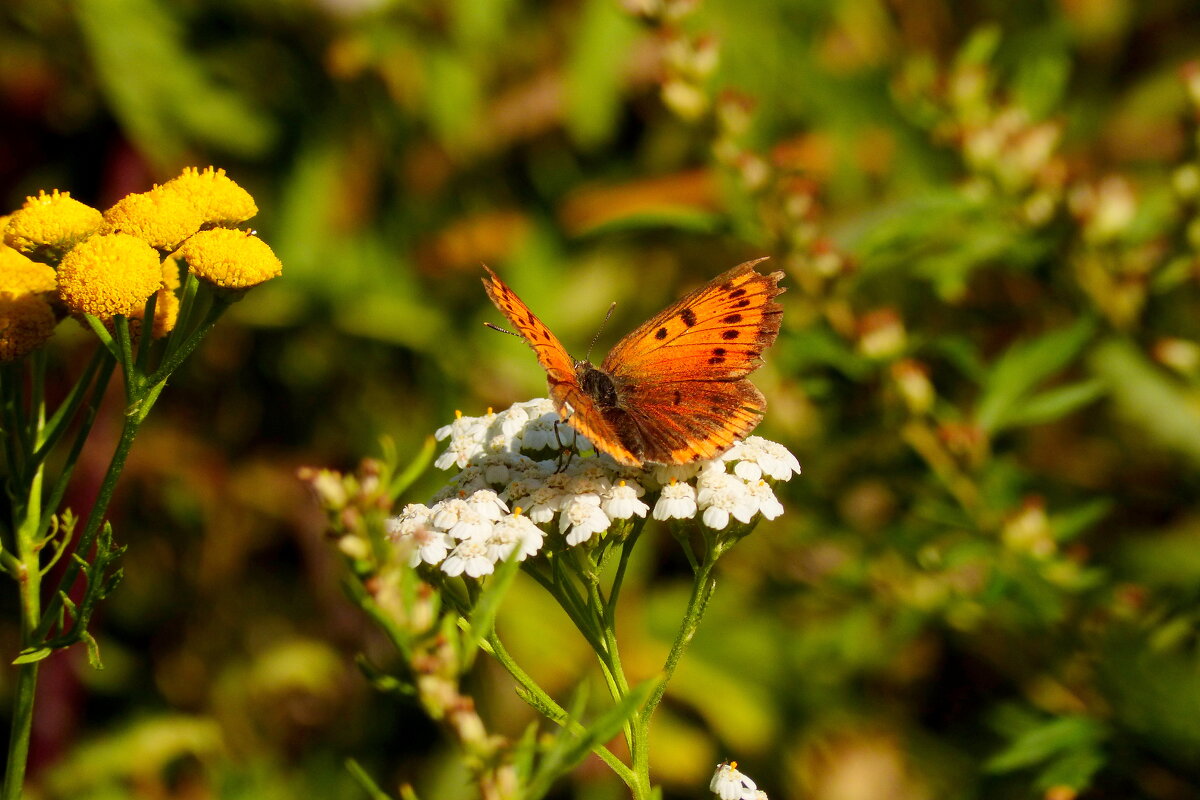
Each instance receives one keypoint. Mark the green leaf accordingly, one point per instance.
(595, 71)
(1066, 525)
(1022, 367)
(483, 613)
(980, 47)
(571, 748)
(32, 655)
(165, 99)
(93, 650)
(1055, 403)
(454, 99)
(1147, 399)
(365, 781)
(1041, 81)
(1047, 740)
(416, 467)
(1074, 769)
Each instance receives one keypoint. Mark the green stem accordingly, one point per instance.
(85, 428)
(610, 611)
(559, 715)
(22, 728)
(146, 343)
(10, 398)
(95, 516)
(702, 589)
(61, 418)
(172, 360)
(30, 586)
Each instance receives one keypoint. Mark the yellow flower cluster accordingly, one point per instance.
(56, 252)
(26, 317)
(51, 224)
(109, 274)
(230, 259)
(219, 201)
(160, 218)
(26, 322)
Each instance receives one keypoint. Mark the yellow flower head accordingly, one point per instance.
(158, 217)
(214, 195)
(51, 224)
(19, 274)
(230, 259)
(26, 322)
(108, 275)
(166, 307)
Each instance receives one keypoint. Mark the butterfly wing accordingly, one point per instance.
(681, 376)
(569, 398)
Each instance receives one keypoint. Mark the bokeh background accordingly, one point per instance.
(985, 585)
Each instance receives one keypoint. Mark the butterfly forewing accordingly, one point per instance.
(570, 400)
(718, 332)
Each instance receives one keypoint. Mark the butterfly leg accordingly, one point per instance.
(564, 453)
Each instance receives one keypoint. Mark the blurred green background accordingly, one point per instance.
(985, 585)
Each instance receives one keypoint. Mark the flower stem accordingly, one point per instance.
(22, 728)
(496, 649)
(702, 588)
(29, 581)
(173, 359)
(94, 521)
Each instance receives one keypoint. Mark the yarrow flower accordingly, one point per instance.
(231, 259)
(514, 492)
(50, 224)
(729, 784)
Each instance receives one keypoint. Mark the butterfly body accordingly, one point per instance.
(674, 390)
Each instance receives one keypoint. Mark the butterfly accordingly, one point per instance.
(675, 389)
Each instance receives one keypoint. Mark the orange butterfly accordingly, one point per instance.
(674, 390)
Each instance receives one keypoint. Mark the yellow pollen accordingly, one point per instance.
(733, 765)
(489, 411)
(457, 413)
(673, 481)
(620, 483)
(517, 511)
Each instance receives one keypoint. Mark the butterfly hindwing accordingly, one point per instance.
(687, 421)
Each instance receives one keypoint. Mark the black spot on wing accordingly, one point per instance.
(661, 333)
(737, 293)
(730, 334)
(688, 316)
(732, 319)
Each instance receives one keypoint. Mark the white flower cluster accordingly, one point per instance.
(729, 784)
(512, 488)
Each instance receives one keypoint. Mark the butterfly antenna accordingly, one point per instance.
(502, 330)
(600, 330)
